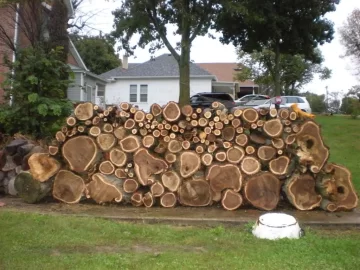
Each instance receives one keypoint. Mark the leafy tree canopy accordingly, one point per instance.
(97, 52)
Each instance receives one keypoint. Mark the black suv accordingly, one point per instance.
(204, 100)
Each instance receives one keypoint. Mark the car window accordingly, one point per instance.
(218, 96)
(194, 99)
(291, 100)
(300, 100)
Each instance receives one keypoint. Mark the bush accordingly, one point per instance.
(37, 90)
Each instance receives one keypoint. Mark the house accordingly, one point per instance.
(86, 85)
(225, 74)
(154, 81)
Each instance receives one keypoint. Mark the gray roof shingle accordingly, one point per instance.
(162, 66)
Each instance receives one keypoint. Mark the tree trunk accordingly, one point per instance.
(184, 66)
(277, 69)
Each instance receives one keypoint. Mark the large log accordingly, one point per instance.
(231, 200)
(223, 177)
(195, 193)
(171, 180)
(189, 163)
(106, 141)
(171, 112)
(43, 167)
(312, 151)
(80, 153)
(273, 128)
(250, 115)
(68, 187)
(103, 189)
(263, 191)
(84, 111)
(301, 193)
(147, 165)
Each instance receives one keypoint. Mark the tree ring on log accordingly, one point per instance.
(223, 177)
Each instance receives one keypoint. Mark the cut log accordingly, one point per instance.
(120, 133)
(278, 143)
(161, 148)
(130, 185)
(125, 106)
(301, 193)
(189, 163)
(171, 112)
(139, 116)
(220, 156)
(284, 113)
(148, 200)
(250, 165)
(137, 199)
(250, 150)
(106, 141)
(103, 189)
(236, 122)
(106, 167)
(60, 136)
(71, 121)
(155, 109)
(223, 177)
(273, 128)
(200, 149)
(53, 150)
(186, 145)
(147, 165)
(312, 150)
(120, 173)
(257, 138)
(228, 133)
(266, 153)
(31, 190)
(129, 124)
(157, 189)
(43, 167)
(168, 200)
(80, 153)
(235, 154)
(237, 112)
(328, 205)
(170, 157)
(118, 157)
(242, 140)
(84, 111)
(171, 180)
(263, 191)
(130, 144)
(293, 116)
(280, 165)
(290, 139)
(273, 112)
(207, 159)
(338, 188)
(250, 115)
(68, 187)
(231, 200)
(108, 128)
(195, 193)
(175, 146)
(187, 110)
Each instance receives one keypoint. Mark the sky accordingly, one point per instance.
(206, 50)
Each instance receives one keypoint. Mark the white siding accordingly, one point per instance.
(160, 91)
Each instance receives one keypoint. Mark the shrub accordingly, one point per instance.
(37, 91)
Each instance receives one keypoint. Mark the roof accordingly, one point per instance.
(162, 66)
(225, 72)
(77, 69)
(77, 56)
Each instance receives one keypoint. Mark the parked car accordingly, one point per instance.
(204, 100)
(248, 98)
(287, 101)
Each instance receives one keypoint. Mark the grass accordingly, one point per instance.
(342, 135)
(31, 241)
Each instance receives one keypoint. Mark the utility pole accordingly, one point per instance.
(327, 98)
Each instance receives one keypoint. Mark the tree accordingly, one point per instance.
(350, 38)
(97, 52)
(334, 102)
(353, 99)
(295, 70)
(150, 19)
(283, 26)
(317, 102)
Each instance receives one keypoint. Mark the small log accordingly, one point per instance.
(103, 189)
(149, 117)
(290, 139)
(186, 145)
(170, 157)
(60, 136)
(250, 165)
(228, 133)
(293, 116)
(240, 130)
(81, 129)
(120, 173)
(125, 106)
(118, 157)
(53, 150)
(137, 199)
(263, 191)
(194, 193)
(273, 128)
(147, 165)
(278, 143)
(139, 116)
(161, 148)
(106, 167)
(207, 159)
(273, 112)
(187, 110)
(231, 200)
(264, 111)
(312, 150)
(257, 138)
(280, 165)
(68, 187)
(212, 148)
(203, 122)
(236, 122)
(157, 189)
(120, 133)
(235, 154)
(31, 190)
(108, 128)
(129, 124)
(260, 123)
(43, 167)
(175, 146)
(219, 125)
(148, 141)
(250, 115)
(171, 180)
(266, 153)
(155, 109)
(130, 185)
(328, 205)
(84, 111)
(301, 193)
(250, 150)
(199, 149)
(156, 133)
(242, 140)
(223, 177)
(148, 200)
(171, 112)
(130, 144)
(106, 141)
(71, 121)
(189, 163)
(80, 153)
(168, 200)
(95, 121)
(284, 113)
(220, 156)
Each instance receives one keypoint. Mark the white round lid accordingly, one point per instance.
(277, 220)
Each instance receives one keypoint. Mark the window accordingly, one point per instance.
(101, 91)
(300, 100)
(133, 93)
(143, 93)
(291, 100)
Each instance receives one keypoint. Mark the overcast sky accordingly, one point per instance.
(205, 49)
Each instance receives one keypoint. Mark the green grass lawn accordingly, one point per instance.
(30, 241)
(342, 135)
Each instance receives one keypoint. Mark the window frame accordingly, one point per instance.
(141, 94)
(132, 93)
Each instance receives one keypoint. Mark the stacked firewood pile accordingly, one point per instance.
(193, 157)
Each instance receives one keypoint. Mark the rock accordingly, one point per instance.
(25, 149)
(36, 149)
(2, 159)
(9, 165)
(12, 147)
(11, 190)
(2, 175)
